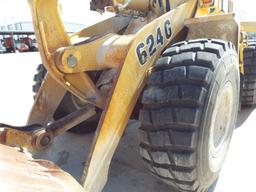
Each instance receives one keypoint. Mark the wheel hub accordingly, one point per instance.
(220, 127)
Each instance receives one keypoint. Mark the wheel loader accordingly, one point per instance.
(172, 64)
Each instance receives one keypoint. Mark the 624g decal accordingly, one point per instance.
(153, 42)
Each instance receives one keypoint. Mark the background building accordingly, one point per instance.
(27, 26)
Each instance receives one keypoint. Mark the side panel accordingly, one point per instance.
(248, 27)
(223, 26)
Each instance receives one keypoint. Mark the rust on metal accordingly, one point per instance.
(46, 102)
(129, 47)
(37, 137)
(51, 35)
(20, 172)
(129, 83)
(113, 53)
(222, 26)
(19, 138)
(106, 52)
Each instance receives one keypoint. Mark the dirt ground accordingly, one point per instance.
(127, 172)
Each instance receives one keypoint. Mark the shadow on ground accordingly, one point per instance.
(243, 115)
(127, 171)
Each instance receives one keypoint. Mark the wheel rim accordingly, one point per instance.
(221, 129)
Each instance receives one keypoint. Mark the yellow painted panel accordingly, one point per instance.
(130, 82)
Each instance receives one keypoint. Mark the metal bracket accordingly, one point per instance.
(38, 137)
(109, 51)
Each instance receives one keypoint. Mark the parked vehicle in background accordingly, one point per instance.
(2, 49)
(32, 45)
(9, 44)
(21, 47)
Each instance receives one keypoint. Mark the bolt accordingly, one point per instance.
(72, 61)
(45, 141)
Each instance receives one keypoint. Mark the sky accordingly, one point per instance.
(77, 11)
(72, 11)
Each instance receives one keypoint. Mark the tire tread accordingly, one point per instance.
(248, 95)
(172, 109)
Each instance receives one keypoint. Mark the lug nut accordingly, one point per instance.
(72, 61)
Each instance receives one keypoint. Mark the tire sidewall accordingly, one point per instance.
(227, 71)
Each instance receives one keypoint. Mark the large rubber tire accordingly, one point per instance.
(192, 95)
(249, 77)
(66, 106)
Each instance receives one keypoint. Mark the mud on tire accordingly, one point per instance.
(178, 106)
